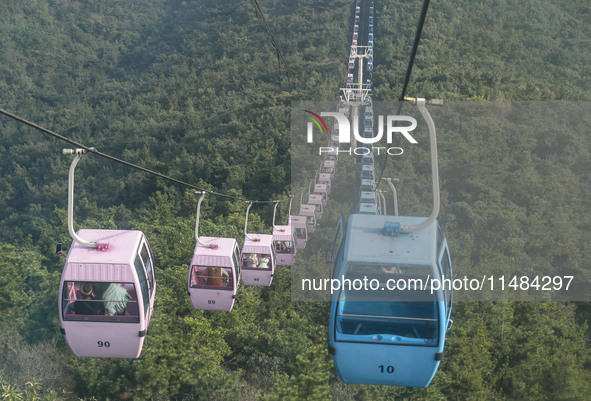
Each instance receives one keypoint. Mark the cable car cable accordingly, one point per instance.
(415, 46)
(411, 62)
(112, 158)
(280, 57)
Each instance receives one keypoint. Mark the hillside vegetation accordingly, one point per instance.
(193, 89)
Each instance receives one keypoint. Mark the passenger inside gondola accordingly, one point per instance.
(264, 262)
(284, 246)
(88, 305)
(256, 261)
(99, 301)
(216, 277)
(251, 259)
(208, 277)
(115, 298)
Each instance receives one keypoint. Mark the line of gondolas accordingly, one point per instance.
(108, 284)
(376, 335)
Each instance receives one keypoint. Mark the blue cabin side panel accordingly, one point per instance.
(393, 365)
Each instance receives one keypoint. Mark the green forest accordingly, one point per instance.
(194, 90)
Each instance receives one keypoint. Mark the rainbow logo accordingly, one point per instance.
(316, 121)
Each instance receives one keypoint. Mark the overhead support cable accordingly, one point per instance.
(112, 158)
(411, 63)
(280, 58)
(415, 46)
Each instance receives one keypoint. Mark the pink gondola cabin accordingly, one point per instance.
(258, 259)
(107, 294)
(300, 229)
(214, 275)
(285, 247)
(309, 211)
(318, 202)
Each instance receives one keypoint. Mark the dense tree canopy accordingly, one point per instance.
(193, 89)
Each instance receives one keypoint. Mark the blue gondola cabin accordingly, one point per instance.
(392, 331)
